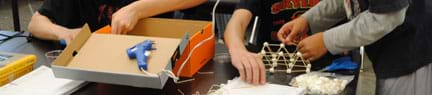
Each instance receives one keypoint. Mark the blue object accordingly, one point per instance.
(141, 52)
(343, 63)
(63, 42)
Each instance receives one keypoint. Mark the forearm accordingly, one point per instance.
(325, 15)
(364, 29)
(41, 27)
(147, 8)
(236, 28)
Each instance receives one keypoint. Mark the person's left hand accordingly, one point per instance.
(124, 20)
(312, 47)
(67, 34)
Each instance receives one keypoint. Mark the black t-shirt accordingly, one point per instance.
(74, 13)
(273, 14)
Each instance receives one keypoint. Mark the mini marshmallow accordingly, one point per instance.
(298, 54)
(274, 60)
(266, 44)
(288, 71)
(281, 53)
(291, 59)
(263, 52)
(291, 65)
(272, 70)
(274, 55)
(274, 64)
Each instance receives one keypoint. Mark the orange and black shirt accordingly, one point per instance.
(274, 13)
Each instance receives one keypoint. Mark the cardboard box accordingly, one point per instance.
(102, 57)
(200, 30)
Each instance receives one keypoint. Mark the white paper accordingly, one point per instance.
(40, 82)
(239, 87)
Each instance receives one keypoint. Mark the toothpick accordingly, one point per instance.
(283, 57)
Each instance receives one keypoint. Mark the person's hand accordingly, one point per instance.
(68, 34)
(124, 20)
(312, 47)
(293, 31)
(249, 65)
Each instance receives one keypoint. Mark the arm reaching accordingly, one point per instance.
(124, 20)
(248, 64)
(41, 27)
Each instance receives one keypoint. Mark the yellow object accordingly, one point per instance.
(16, 66)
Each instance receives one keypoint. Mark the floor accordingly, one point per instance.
(26, 9)
(366, 85)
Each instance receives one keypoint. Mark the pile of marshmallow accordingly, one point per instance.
(316, 84)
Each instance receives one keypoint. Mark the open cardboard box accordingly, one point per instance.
(101, 57)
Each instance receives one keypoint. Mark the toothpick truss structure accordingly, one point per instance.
(284, 59)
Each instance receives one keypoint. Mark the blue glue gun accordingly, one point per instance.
(141, 52)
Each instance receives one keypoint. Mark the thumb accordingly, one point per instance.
(114, 28)
(281, 34)
(292, 36)
(284, 31)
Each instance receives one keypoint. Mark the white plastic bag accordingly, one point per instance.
(321, 82)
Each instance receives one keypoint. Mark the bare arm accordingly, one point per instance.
(249, 64)
(149, 8)
(236, 28)
(125, 19)
(41, 27)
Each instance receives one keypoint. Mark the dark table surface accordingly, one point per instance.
(220, 71)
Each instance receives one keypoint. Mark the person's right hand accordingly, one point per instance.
(124, 20)
(293, 31)
(249, 65)
(68, 34)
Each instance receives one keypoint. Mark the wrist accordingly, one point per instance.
(59, 32)
(56, 31)
(305, 20)
(237, 49)
(305, 23)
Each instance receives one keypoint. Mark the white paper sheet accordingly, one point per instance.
(40, 82)
(239, 87)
